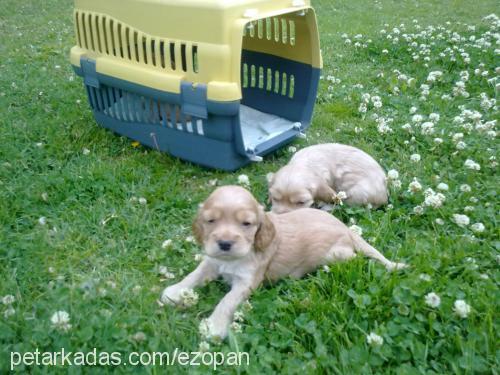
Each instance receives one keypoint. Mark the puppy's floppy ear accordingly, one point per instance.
(324, 192)
(265, 233)
(197, 226)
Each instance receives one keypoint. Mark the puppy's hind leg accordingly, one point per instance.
(361, 245)
(367, 193)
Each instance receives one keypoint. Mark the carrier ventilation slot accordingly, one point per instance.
(258, 77)
(277, 29)
(105, 35)
(128, 107)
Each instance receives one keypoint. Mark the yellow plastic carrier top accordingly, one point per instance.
(201, 67)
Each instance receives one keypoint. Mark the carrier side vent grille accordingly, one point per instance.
(277, 29)
(108, 36)
(262, 78)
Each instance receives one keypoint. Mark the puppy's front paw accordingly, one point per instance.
(393, 266)
(214, 329)
(171, 295)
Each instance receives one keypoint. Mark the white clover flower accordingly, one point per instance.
(427, 128)
(42, 220)
(338, 198)
(243, 180)
(407, 127)
(417, 119)
(465, 188)
(434, 117)
(413, 110)
(438, 140)
(477, 227)
(86, 151)
(356, 229)
(198, 257)
(469, 208)
(393, 174)
(204, 347)
(236, 327)
(432, 300)
(239, 316)
(471, 164)
(424, 277)
(457, 137)
(461, 145)
(163, 271)
(246, 306)
(418, 210)
(396, 184)
(9, 299)
(461, 220)
(414, 186)
(60, 320)
(439, 221)
(374, 340)
(326, 268)
(204, 328)
(434, 76)
(433, 199)
(292, 149)
(142, 201)
(415, 158)
(139, 337)
(383, 126)
(166, 244)
(188, 297)
(190, 239)
(461, 308)
(9, 312)
(491, 134)
(442, 186)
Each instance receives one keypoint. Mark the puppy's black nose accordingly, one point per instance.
(225, 245)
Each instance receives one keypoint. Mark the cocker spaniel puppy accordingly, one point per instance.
(247, 246)
(318, 173)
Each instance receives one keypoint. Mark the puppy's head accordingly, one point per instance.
(231, 223)
(296, 187)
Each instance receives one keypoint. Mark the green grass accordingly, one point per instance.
(106, 276)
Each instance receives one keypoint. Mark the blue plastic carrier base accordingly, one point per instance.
(221, 135)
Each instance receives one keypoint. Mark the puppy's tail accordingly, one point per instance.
(364, 247)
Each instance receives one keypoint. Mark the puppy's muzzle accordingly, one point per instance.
(225, 245)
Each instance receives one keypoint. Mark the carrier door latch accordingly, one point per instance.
(89, 72)
(194, 99)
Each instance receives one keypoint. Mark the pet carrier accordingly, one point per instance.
(215, 82)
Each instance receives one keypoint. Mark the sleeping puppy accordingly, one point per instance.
(318, 172)
(247, 246)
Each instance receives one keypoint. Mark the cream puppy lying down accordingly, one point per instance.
(317, 173)
(247, 246)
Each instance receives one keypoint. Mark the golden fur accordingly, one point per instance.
(247, 246)
(317, 173)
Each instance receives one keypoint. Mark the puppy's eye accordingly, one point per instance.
(301, 203)
(246, 223)
(211, 221)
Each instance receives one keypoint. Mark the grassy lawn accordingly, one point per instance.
(75, 235)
